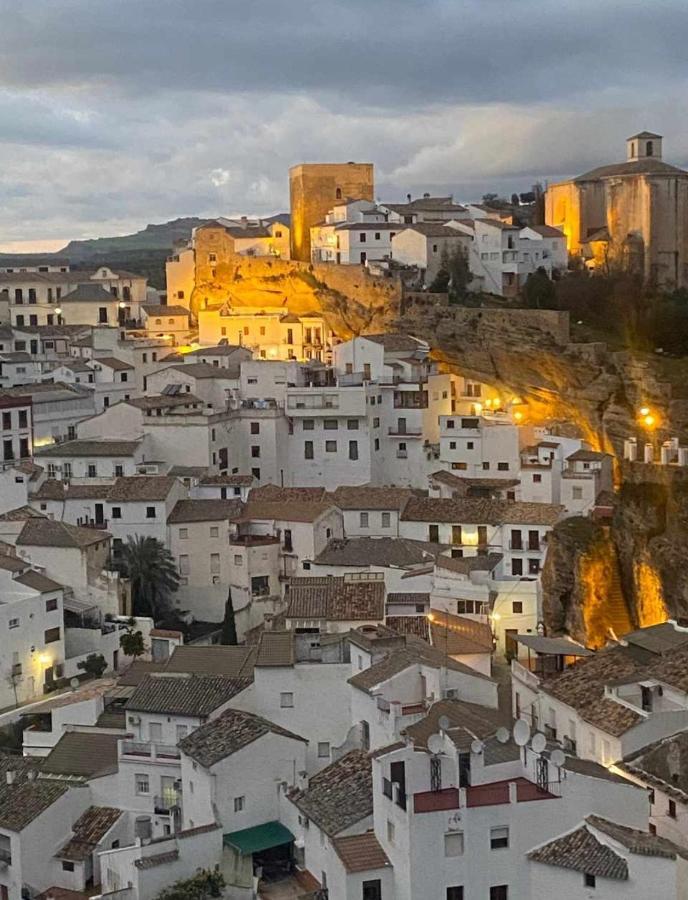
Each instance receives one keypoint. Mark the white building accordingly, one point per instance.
(355, 232)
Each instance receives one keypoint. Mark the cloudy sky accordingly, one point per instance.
(116, 113)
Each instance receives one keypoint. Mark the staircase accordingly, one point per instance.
(616, 616)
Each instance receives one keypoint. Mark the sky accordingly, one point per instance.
(117, 113)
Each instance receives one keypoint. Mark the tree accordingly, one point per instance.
(539, 292)
(203, 885)
(149, 566)
(94, 665)
(459, 274)
(440, 284)
(229, 632)
(132, 644)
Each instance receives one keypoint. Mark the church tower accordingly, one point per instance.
(644, 145)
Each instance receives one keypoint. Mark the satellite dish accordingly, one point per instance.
(557, 758)
(539, 742)
(74, 683)
(435, 743)
(521, 732)
(444, 723)
(503, 735)
(477, 747)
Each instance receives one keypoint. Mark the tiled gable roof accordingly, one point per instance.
(229, 732)
(182, 694)
(41, 532)
(340, 795)
(88, 830)
(205, 510)
(582, 851)
(231, 661)
(361, 852)
(477, 510)
(83, 754)
(336, 599)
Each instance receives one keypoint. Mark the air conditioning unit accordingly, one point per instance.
(134, 720)
(451, 694)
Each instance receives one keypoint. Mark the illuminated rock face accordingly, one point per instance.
(314, 188)
(650, 606)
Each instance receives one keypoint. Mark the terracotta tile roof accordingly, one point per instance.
(663, 765)
(276, 648)
(336, 599)
(582, 851)
(159, 859)
(205, 510)
(204, 370)
(417, 625)
(465, 484)
(137, 671)
(163, 401)
(434, 229)
(274, 493)
(547, 231)
(457, 635)
(88, 830)
(38, 582)
(52, 489)
(587, 456)
(118, 365)
(90, 447)
(467, 564)
(60, 893)
(84, 754)
(229, 732)
(468, 722)
(166, 633)
(41, 532)
(185, 695)
(340, 795)
(645, 166)
(233, 480)
(24, 801)
(162, 309)
(475, 510)
(285, 511)
(361, 852)
(141, 487)
(380, 551)
(638, 842)
(407, 598)
(371, 497)
(232, 661)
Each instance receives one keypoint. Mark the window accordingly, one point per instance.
(183, 565)
(577, 493)
(537, 478)
(503, 466)
(533, 566)
(308, 425)
(181, 732)
(455, 893)
(517, 607)
(589, 880)
(376, 422)
(352, 424)
(308, 449)
(214, 563)
(353, 449)
(13, 623)
(376, 445)
(390, 832)
(517, 567)
(434, 534)
(499, 838)
(51, 605)
(238, 559)
(67, 866)
(330, 425)
(453, 843)
(363, 520)
(116, 512)
(239, 804)
(141, 784)
(286, 699)
(255, 427)
(255, 451)
(183, 533)
(155, 732)
(371, 890)
(671, 811)
(260, 586)
(150, 512)
(499, 892)
(323, 749)
(386, 520)
(330, 446)
(51, 635)
(362, 237)
(92, 471)
(214, 531)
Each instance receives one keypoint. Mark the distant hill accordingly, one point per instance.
(143, 253)
(152, 237)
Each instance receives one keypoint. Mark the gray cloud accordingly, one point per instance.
(113, 114)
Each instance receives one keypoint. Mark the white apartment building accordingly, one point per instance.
(426, 244)
(55, 410)
(16, 429)
(161, 320)
(353, 233)
(17, 368)
(85, 458)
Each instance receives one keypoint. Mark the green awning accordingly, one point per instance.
(260, 837)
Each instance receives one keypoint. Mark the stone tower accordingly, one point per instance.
(314, 188)
(644, 145)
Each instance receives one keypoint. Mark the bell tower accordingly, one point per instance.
(644, 145)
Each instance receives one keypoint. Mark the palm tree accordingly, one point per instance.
(149, 566)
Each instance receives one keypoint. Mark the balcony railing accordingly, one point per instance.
(151, 751)
(395, 431)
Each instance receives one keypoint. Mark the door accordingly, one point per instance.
(401, 426)
(100, 518)
(482, 537)
(457, 534)
(516, 542)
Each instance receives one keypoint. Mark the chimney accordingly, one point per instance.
(408, 198)
(10, 776)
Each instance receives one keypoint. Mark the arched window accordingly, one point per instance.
(338, 194)
(649, 149)
(633, 149)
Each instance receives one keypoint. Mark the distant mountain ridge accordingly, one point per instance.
(152, 237)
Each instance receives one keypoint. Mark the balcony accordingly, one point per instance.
(253, 540)
(496, 793)
(395, 431)
(166, 803)
(153, 752)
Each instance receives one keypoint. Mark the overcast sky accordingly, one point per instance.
(116, 113)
